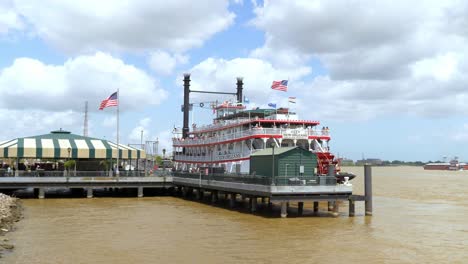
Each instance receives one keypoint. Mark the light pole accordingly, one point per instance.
(69, 151)
(273, 163)
(164, 156)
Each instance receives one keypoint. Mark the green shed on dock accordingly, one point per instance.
(288, 162)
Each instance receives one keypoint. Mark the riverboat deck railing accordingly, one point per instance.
(285, 132)
(261, 180)
(208, 159)
(221, 123)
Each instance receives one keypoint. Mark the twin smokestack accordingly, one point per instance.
(186, 106)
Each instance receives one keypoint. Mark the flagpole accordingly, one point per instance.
(288, 100)
(118, 146)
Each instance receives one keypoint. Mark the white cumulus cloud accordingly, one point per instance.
(32, 84)
(18, 123)
(88, 25)
(164, 63)
(214, 74)
(378, 58)
(9, 17)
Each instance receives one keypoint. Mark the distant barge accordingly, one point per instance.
(453, 165)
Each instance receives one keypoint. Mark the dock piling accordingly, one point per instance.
(200, 193)
(41, 194)
(89, 193)
(253, 204)
(232, 200)
(351, 208)
(214, 196)
(368, 188)
(336, 209)
(284, 209)
(316, 207)
(300, 208)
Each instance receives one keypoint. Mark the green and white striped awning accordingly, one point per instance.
(62, 144)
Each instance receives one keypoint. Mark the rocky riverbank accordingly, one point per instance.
(10, 212)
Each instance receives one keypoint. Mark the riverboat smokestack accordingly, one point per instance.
(240, 85)
(186, 107)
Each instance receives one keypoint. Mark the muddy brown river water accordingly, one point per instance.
(419, 217)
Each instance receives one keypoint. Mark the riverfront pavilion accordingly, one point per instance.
(59, 146)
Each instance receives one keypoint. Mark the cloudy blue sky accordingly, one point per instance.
(388, 77)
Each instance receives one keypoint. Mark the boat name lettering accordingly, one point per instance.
(295, 134)
(230, 156)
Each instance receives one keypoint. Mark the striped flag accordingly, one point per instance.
(110, 101)
(292, 99)
(280, 85)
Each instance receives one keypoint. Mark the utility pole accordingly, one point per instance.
(85, 125)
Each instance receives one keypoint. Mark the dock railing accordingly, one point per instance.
(260, 179)
(55, 173)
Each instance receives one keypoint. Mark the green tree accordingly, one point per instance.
(159, 160)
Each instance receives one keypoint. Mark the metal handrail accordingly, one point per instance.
(310, 180)
(71, 173)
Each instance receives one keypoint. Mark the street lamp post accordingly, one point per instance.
(164, 156)
(69, 152)
(273, 164)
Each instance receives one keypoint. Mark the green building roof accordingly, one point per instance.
(269, 151)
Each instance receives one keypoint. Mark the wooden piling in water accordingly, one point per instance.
(300, 208)
(351, 208)
(232, 200)
(368, 188)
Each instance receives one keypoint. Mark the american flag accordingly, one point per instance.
(292, 99)
(110, 101)
(280, 85)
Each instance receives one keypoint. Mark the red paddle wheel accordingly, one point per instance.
(323, 160)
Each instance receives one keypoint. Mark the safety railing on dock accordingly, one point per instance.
(43, 173)
(261, 180)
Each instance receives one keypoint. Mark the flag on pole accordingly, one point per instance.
(292, 99)
(280, 85)
(109, 101)
(272, 105)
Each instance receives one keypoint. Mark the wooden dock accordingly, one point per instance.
(88, 183)
(230, 189)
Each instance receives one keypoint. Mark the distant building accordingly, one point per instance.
(375, 162)
(346, 162)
